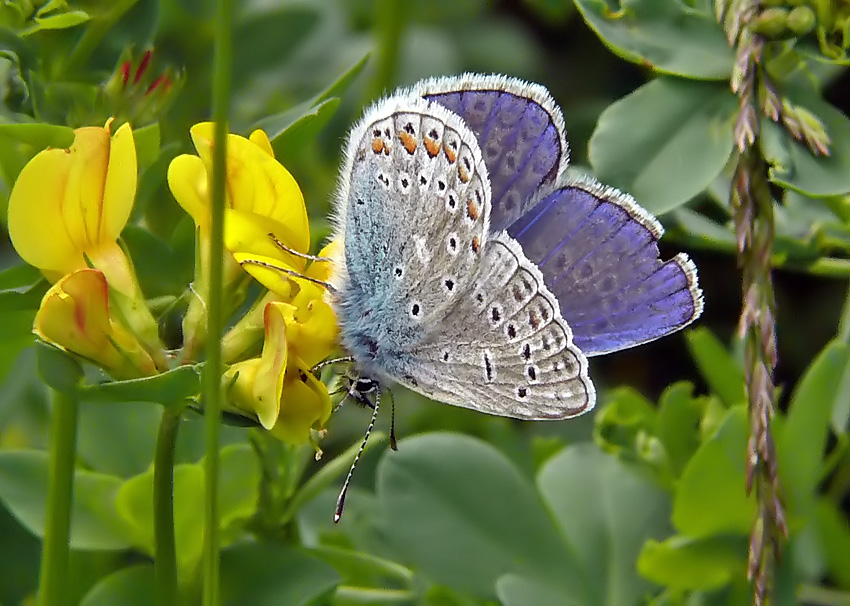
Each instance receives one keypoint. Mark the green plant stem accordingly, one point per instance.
(52, 585)
(213, 367)
(163, 508)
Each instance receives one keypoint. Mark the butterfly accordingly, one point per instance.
(474, 270)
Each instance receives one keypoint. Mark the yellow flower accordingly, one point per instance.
(69, 204)
(262, 198)
(67, 210)
(74, 315)
(278, 387)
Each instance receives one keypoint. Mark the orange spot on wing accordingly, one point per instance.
(377, 145)
(472, 209)
(476, 244)
(462, 174)
(408, 140)
(450, 153)
(432, 146)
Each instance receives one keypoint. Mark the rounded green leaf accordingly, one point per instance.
(518, 590)
(794, 166)
(264, 574)
(665, 142)
(679, 414)
(445, 497)
(686, 564)
(23, 490)
(711, 498)
(131, 586)
(606, 511)
(681, 38)
(719, 369)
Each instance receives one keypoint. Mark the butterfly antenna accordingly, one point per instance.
(289, 272)
(295, 253)
(321, 365)
(340, 502)
(393, 443)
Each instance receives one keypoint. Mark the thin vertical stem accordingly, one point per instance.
(389, 27)
(844, 323)
(52, 585)
(163, 509)
(213, 367)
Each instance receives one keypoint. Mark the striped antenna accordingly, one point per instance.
(340, 502)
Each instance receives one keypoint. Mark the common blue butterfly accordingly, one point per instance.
(474, 271)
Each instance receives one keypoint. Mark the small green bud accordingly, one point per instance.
(771, 23)
(801, 20)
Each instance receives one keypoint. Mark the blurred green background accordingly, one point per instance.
(286, 53)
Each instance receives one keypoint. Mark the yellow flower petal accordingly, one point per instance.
(119, 191)
(304, 404)
(187, 179)
(36, 222)
(311, 327)
(258, 183)
(247, 233)
(67, 203)
(261, 140)
(74, 315)
(273, 279)
(82, 207)
(322, 270)
(269, 382)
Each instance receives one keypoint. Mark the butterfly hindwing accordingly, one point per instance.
(503, 348)
(519, 129)
(598, 253)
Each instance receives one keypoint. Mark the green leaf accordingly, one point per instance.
(265, 574)
(685, 564)
(341, 84)
(669, 37)
(435, 516)
(625, 416)
(834, 534)
(19, 276)
(118, 439)
(40, 135)
(711, 498)
(304, 128)
(665, 142)
(517, 590)
(678, 424)
(719, 369)
(131, 586)
(238, 493)
(61, 21)
(794, 166)
(239, 484)
(134, 504)
(616, 512)
(802, 442)
(170, 388)
(58, 369)
(23, 489)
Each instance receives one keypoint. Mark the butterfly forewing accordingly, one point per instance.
(519, 129)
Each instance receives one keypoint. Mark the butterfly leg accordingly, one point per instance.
(289, 272)
(340, 503)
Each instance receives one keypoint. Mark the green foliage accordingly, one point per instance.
(642, 502)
